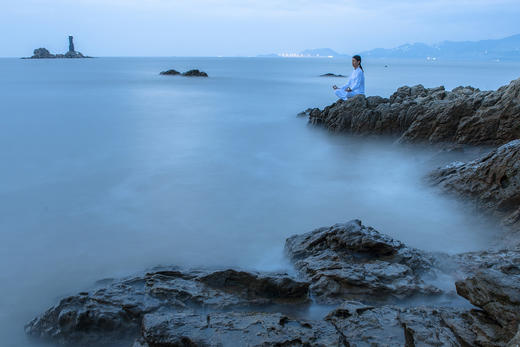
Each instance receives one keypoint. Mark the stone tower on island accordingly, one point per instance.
(71, 44)
(43, 53)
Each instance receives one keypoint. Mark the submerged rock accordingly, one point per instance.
(351, 261)
(416, 114)
(492, 181)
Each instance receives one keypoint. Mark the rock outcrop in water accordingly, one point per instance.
(170, 307)
(434, 115)
(329, 74)
(43, 53)
(351, 261)
(190, 73)
(170, 72)
(492, 181)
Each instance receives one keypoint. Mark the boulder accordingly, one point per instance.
(351, 261)
(433, 115)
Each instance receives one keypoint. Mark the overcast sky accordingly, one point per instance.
(245, 27)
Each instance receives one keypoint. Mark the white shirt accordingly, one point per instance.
(356, 82)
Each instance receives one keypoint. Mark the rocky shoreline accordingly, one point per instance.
(363, 273)
(368, 281)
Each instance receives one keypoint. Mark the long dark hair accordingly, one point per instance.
(358, 58)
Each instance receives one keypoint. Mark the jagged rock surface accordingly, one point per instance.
(492, 181)
(363, 325)
(416, 114)
(235, 329)
(115, 311)
(497, 293)
(351, 261)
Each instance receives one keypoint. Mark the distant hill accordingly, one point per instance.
(503, 49)
(321, 52)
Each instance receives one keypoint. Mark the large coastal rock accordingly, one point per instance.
(492, 181)
(464, 115)
(351, 261)
(116, 309)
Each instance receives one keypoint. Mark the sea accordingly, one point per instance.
(108, 168)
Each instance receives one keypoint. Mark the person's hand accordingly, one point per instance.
(334, 87)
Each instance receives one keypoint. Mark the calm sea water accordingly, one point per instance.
(107, 168)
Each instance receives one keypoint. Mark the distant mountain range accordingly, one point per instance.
(501, 49)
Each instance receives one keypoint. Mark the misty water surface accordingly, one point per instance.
(108, 168)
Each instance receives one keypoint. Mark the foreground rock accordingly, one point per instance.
(116, 310)
(497, 292)
(351, 261)
(416, 114)
(363, 325)
(169, 307)
(492, 181)
(235, 329)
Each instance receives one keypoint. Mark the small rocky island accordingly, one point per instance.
(329, 74)
(190, 73)
(43, 53)
(378, 290)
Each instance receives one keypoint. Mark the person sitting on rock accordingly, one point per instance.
(356, 81)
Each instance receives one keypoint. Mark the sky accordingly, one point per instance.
(245, 27)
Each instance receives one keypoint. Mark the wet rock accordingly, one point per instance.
(171, 72)
(331, 75)
(195, 73)
(351, 261)
(492, 181)
(115, 310)
(363, 325)
(235, 329)
(497, 293)
(416, 114)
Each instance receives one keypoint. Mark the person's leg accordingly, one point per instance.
(349, 95)
(340, 93)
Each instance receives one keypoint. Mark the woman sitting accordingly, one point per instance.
(356, 81)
